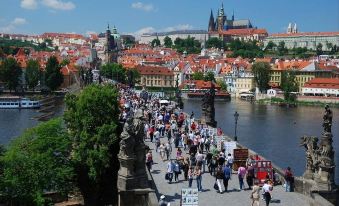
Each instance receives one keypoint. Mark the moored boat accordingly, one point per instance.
(15, 102)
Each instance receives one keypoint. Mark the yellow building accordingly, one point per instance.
(244, 84)
(153, 76)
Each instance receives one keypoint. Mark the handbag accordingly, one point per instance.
(216, 187)
(166, 176)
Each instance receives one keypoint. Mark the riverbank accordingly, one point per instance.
(282, 102)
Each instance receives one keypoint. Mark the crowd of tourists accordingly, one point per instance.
(174, 132)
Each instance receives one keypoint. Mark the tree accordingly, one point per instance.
(92, 120)
(114, 71)
(10, 73)
(36, 162)
(261, 71)
(222, 84)
(155, 42)
(198, 76)
(270, 45)
(133, 76)
(289, 84)
(168, 42)
(214, 42)
(53, 75)
(209, 76)
(319, 49)
(32, 73)
(281, 48)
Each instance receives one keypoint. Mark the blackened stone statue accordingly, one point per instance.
(208, 106)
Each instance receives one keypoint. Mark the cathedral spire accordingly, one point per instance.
(211, 24)
(233, 15)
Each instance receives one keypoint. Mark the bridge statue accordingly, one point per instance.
(208, 106)
(133, 183)
(320, 157)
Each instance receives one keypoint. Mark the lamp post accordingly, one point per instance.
(236, 117)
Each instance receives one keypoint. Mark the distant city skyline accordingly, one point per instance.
(139, 16)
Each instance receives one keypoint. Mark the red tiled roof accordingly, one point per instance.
(305, 34)
(244, 31)
(152, 70)
(331, 83)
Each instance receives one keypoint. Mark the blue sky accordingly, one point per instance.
(138, 16)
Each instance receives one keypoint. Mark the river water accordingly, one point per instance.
(272, 131)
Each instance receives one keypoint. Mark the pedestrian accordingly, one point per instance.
(185, 168)
(207, 144)
(289, 179)
(267, 188)
(149, 160)
(162, 151)
(162, 201)
(168, 150)
(250, 176)
(176, 171)
(151, 133)
(241, 175)
(227, 176)
(157, 144)
(179, 153)
(255, 196)
(213, 165)
(219, 177)
(198, 175)
(190, 176)
(230, 160)
(170, 168)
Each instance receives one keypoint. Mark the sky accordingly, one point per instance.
(140, 16)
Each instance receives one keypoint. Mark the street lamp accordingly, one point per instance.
(236, 117)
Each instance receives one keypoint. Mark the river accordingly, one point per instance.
(273, 131)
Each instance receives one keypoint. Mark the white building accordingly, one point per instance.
(199, 35)
(310, 40)
(321, 87)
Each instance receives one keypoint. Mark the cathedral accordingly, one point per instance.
(221, 23)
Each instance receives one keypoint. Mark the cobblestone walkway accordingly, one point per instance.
(209, 196)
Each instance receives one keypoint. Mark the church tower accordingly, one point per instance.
(211, 24)
(109, 46)
(221, 18)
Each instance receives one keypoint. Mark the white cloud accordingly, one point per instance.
(58, 4)
(29, 4)
(13, 24)
(178, 27)
(88, 33)
(18, 21)
(142, 6)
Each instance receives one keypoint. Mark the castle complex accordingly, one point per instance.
(221, 23)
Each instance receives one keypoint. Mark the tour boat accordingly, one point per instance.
(18, 103)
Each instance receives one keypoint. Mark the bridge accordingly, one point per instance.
(209, 196)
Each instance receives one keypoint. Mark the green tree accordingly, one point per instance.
(92, 120)
(10, 73)
(222, 84)
(168, 42)
(32, 73)
(155, 42)
(133, 77)
(114, 71)
(261, 71)
(53, 75)
(198, 76)
(270, 45)
(214, 42)
(36, 162)
(289, 84)
(281, 48)
(319, 49)
(209, 76)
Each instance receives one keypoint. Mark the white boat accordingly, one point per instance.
(18, 103)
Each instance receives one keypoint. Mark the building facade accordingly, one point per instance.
(199, 35)
(153, 76)
(328, 87)
(310, 40)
